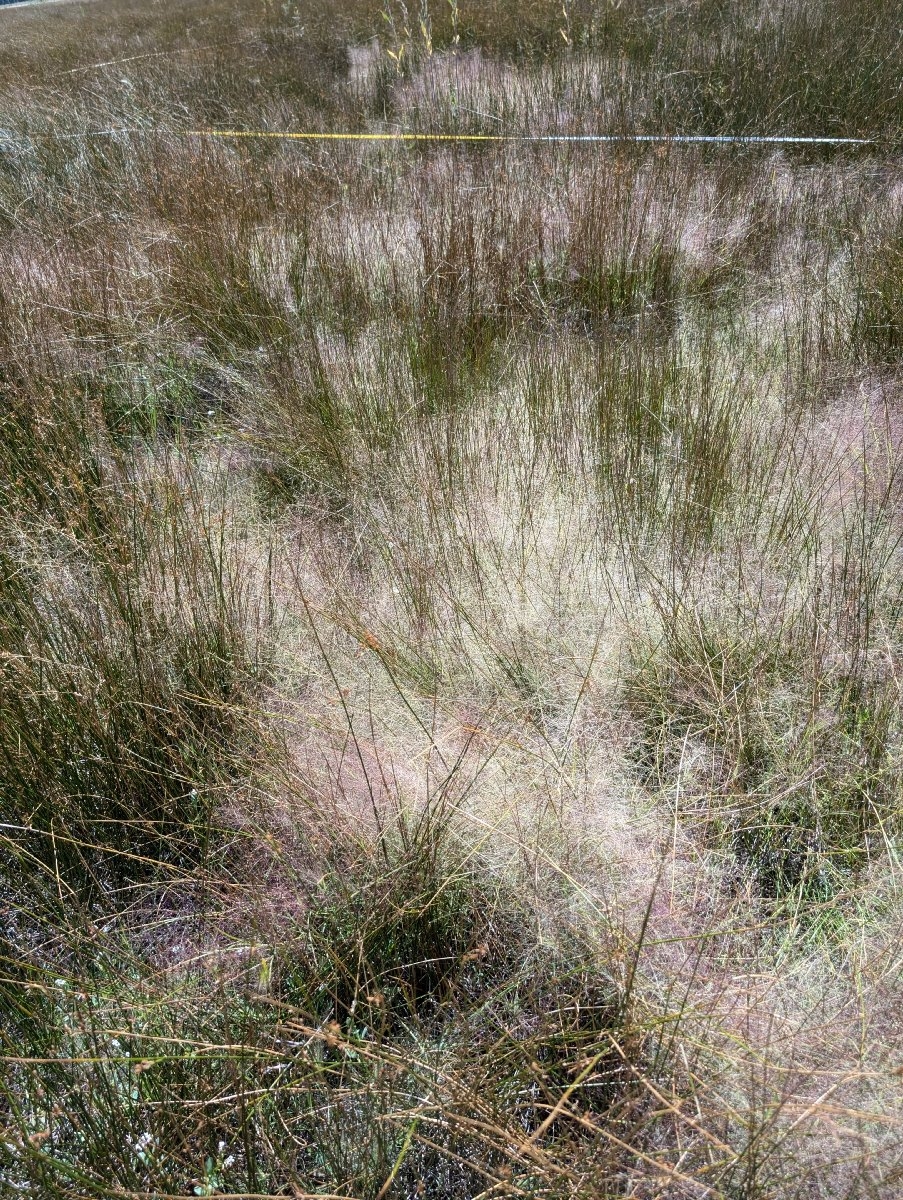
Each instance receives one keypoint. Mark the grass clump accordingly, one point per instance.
(878, 323)
(415, 1034)
(300, 434)
(170, 397)
(790, 771)
(129, 660)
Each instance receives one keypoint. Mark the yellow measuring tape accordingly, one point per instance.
(357, 137)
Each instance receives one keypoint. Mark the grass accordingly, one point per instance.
(878, 326)
(450, 601)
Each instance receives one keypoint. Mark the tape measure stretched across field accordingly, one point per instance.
(656, 138)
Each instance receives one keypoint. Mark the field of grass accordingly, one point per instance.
(451, 602)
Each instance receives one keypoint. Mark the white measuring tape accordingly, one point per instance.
(663, 138)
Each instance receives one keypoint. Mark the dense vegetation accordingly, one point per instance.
(450, 603)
